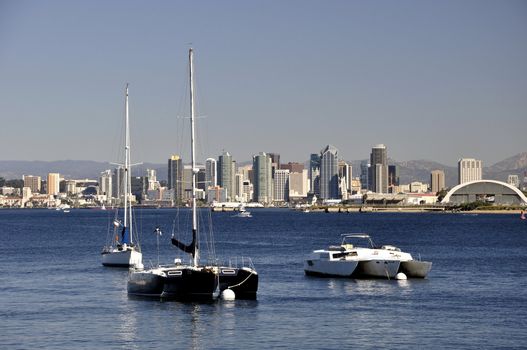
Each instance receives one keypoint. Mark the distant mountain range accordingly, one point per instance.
(412, 170)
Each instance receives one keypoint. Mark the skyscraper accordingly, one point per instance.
(379, 169)
(469, 169)
(105, 183)
(175, 177)
(314, 173)
(281, 185)
(364, 175)
(118, 182)
(345, 176)
(393, 178)
(437, 180)
(263, 180)
(329, 177)
(226, 174)
(53, 184)
(211, 173)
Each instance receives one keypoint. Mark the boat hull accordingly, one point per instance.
(415, 268)
(180, 283)
(122, 258)
(242, 281)
(378, 268)
(337, 268)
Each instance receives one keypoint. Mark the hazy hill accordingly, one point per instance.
(70, 169)
(412, 170)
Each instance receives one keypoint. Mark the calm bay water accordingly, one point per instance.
(54, 293)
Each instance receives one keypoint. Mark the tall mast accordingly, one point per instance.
(127, 178)
(193, 162)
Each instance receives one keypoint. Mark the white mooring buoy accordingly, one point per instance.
(228, 294)
(400, 276)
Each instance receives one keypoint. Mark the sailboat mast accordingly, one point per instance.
(193, 161)
(127, 178)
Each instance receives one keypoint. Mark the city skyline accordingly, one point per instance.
(428, 79)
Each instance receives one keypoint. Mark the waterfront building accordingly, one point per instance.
(175, 177)
(226, 174)
(469, 169)
(329, 177)
(281, 185)
(514, 180)
(379, 169)
(437, 180)
(263, 180)
(33, 182)
(53, 184)
(211, 172)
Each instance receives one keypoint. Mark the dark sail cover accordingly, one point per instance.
(186, 248)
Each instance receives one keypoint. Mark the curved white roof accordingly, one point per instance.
(455, 188)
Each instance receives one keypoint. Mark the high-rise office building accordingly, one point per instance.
(281, 185)
(33, 182)
(329, 177)
(263, 179)
(275, 160)
(175, 177)
(211, 172)
(226, 174)
(314, 173)
(105, 184)
(437, 180)
(53, 184)
(393, 178)
(298, 184)
(379, 169)
(364, 175)
(469, 169)
(118, 182)
(345, 176)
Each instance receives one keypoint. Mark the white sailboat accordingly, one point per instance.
(180, 281)
(122, 251)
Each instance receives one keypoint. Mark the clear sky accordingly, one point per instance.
(435, 80)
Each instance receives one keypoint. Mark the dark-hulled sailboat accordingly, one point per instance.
(180, 281)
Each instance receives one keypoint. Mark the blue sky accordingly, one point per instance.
(435, 80)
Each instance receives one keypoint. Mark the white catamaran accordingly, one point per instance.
(121, 251)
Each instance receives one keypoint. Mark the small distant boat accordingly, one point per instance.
(522, 215)
(243, 213)
(364, 260)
